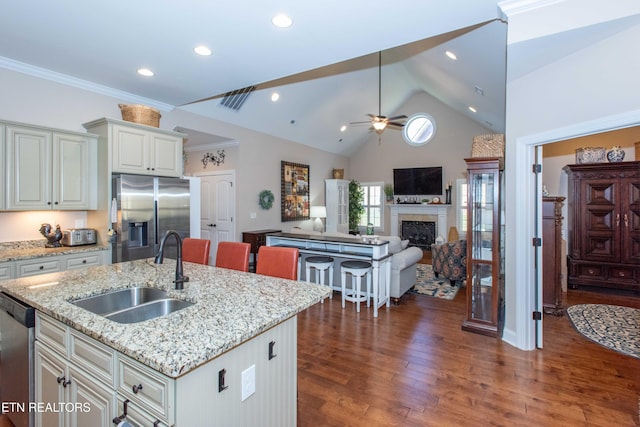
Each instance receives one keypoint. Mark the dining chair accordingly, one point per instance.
(196, 250)
(233, 255)
(278, 262)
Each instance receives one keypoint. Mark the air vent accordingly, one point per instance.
(236, 98)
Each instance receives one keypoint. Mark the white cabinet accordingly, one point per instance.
(68, 377)
(7, 270)
(147, 152)
(48, 169)
(52, 264)
(2, 163)
(336, 198)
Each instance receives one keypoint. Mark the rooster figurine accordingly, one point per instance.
(53, 240)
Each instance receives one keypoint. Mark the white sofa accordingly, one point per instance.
(403, 262)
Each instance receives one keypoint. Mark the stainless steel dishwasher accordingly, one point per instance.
(17, 329)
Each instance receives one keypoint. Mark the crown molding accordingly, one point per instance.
(211, 146)
(42, 73)
(515, 7)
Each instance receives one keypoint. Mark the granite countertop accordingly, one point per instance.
(230, 308)
(30, 249)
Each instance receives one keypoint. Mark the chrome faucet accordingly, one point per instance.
(180, 277)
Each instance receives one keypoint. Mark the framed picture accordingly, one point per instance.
(295, 191)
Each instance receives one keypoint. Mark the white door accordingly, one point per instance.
(218, 209)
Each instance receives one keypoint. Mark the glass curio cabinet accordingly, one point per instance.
(485, 277)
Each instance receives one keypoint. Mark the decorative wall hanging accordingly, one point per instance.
(295, 191)
(266, 199)
(215, 159)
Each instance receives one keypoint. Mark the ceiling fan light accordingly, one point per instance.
(379, 126)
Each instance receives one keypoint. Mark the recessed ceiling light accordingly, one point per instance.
(343, 128)
(451, 55)
(202, 50)
(145, 72)
(473, 109)
(275, 96)
(282, 20)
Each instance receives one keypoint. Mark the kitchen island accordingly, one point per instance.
(189, 351)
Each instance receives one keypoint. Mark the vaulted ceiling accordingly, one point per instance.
(324, 67)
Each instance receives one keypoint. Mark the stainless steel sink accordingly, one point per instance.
(132, 305)
(149, 310)
(120, 300)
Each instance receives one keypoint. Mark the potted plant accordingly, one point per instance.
(388, 191)
(356, 197)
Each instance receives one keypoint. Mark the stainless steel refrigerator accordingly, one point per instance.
(146, 207)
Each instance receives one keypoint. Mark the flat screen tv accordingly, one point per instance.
(418, 181)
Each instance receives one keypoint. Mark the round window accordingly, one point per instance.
(419, 129)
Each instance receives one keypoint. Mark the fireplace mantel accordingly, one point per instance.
(408, 209)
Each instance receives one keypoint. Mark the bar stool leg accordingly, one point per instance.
(331, 281)
(369, 296)
(356, 291)
(343, 275)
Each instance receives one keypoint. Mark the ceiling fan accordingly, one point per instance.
(379, 122)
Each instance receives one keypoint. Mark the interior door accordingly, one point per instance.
(538, 249)
(218, 206)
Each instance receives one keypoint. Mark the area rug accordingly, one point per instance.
(612, 326)
(427, 284)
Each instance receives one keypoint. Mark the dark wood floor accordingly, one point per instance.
(414, 366)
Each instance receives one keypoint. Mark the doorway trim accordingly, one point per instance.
(520, 269)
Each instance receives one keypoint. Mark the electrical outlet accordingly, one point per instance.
(248, 382)
(252, 215)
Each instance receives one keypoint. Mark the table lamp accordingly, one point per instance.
(318, 212)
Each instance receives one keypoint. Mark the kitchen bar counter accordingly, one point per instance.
(31, 249)
(230, 308)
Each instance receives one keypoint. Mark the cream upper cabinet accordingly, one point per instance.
(2, 175)
(142, 151)
(336, 198)
(48, 169)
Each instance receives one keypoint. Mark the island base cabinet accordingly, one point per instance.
(67, 396)
(211, 395)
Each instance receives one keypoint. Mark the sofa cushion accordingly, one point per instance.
(406, 258)
(395, 244)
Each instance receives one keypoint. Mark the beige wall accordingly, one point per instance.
(450, 146)
(256, 159)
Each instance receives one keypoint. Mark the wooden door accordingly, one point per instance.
(598, 229)
(630, 220)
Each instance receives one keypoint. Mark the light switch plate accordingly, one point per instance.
(248, 382)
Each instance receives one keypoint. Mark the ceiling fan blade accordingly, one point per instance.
(367, 122)
(395, 124)
(401, 117)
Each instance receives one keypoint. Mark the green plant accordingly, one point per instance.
(388, 191)
(356, 197)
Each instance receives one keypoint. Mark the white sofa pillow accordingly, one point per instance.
(395, 243)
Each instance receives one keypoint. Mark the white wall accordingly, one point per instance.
(592, 90)
(450, 146)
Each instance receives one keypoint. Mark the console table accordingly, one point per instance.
(342, 249)
(256, 238)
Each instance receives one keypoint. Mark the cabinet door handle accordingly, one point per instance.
(41, 267)
(272, 344)
(136, 388)
(55, 203)
(221, 386)
(61, 380)
(618, 220)
(117, 419)
(626, 221)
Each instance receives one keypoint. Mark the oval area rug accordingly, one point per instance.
(612, 326)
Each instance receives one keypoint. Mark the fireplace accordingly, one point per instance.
(419, 233)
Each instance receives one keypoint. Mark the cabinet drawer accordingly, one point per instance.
(25, 269)
(85, 260)
(621, 273)
(6, 271)
(137, 416)
(591, 270)
(146, 388)
(93, 356)
(52, 333)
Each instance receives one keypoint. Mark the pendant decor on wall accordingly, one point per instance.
(266, 199)
(295, 191)
(215, 159)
